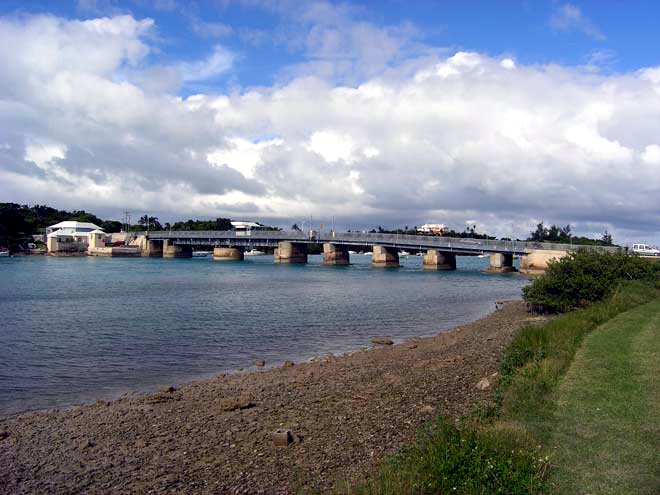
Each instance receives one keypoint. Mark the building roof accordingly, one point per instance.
(71, 224)
(244, 225)
(97, 231)
(59, 233)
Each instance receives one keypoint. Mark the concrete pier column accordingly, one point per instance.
(290, 252)
(228, 253)
(536, 262)
(151, 248)
(176, 251)
(384, 257)
(439, 260)
(501, 263)
(335, 254)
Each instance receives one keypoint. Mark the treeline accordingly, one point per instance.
(563, 235)
(19, 222)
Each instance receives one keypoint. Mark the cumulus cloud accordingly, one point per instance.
(444, 138)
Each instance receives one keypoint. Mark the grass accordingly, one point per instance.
(606, 427)
(502, 449)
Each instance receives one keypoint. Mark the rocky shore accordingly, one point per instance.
(278, 430)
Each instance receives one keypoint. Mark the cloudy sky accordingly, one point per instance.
(499, 114)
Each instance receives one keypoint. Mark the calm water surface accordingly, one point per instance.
(73, 330)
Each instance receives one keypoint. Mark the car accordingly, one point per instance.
(644, 250)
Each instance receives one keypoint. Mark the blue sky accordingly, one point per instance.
(613, 35)
(495, 114)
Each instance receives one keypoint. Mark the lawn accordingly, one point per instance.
(605, 430)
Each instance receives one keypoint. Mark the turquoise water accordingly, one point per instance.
(73, 330)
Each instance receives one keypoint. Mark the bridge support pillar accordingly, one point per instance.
(536, 262)
(150, 248)
(176, 251)
(228, 253)
(439, 260)
(501, 263)
(335, 254)
(290, 252)
(384, 257)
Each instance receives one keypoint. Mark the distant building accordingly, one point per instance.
(73, 237)
(244, 228)
(432, 229)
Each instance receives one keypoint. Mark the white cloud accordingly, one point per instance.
(568, 17)
(217, 63)
(434, 139)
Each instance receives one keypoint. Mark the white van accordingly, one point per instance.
(644, 250)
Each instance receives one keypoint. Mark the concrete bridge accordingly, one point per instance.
(291, 247)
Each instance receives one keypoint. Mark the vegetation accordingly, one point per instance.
(608, 410)
(563, 235)
(584, 277)
(19, 222)
(508, 447)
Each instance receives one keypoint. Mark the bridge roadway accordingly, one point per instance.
(265, 238)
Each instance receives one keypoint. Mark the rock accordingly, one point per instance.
(4, 434)
(288, 364)
(140, 444)
(427, 409)
(483, 384)
(282, 438)
(260, 363)
(86, 444)
(234, 404)
(168, 389)
(382, 341)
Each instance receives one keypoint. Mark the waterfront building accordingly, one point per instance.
(73, 237)
(432, 228)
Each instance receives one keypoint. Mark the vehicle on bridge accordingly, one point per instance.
(644, 250)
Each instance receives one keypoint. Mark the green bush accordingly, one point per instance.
(584, 277)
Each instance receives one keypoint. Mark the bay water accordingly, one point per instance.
(74, 330)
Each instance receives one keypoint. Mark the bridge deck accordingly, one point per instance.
(265, 238)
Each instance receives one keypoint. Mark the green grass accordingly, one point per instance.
(606, 427)
(504, 449)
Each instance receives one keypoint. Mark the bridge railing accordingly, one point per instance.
(366, 239)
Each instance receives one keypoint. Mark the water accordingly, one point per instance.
(73, 330)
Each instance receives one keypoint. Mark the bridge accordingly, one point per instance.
(291, 247)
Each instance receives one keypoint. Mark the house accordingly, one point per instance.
(73, 237)
(432, 229)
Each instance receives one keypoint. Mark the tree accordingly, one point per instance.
(607, 238)
(295, 227)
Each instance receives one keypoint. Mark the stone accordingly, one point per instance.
(427, 409)
(235, 404)
(483, 384)
(382, 341)
(86, 444)
(260, 363)
(412, 346)
(4, 434)
(168, 389)
(282, 438)
(140, 444)
(288, 364)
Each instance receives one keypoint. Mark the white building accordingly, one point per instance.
(432, 228)
(73, 237)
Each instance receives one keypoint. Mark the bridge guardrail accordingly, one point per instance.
(365, 238)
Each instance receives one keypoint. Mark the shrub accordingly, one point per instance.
(584, 277)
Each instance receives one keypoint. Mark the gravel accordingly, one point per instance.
(342, 415)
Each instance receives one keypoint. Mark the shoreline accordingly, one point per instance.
(347, 413)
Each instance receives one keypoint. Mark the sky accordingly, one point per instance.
(499, 114)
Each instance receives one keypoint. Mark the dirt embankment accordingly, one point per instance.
(345, 413)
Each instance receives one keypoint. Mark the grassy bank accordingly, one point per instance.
(504, 449)
(606, 426)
